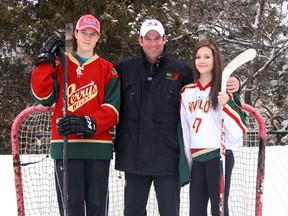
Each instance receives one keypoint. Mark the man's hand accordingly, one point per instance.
(233, 85)
(84, 126)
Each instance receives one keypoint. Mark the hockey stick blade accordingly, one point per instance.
(239, 60)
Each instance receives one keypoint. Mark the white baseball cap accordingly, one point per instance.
(151, 24)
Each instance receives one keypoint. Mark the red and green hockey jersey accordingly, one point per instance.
(93, 89)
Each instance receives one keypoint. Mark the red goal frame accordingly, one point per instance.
(260, 132)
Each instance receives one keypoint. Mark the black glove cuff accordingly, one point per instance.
(90, 126)
(46, 57)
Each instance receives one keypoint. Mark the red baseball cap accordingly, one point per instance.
(87, 21)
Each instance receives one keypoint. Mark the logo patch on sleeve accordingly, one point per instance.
(114, 72)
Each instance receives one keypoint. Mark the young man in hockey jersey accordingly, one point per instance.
(202, 107)
(93, 104)
(146, 144)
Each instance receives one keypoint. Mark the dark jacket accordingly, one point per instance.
(146, 136)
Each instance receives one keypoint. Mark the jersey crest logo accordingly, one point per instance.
(200, 104)
(79, 97)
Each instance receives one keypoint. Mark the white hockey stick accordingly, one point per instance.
(239, 60)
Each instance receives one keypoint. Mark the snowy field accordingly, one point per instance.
(275, 188)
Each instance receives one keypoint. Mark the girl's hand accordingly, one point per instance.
(223, 98)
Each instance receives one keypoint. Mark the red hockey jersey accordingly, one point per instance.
(93, 89)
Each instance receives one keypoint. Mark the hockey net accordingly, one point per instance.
(34, 174)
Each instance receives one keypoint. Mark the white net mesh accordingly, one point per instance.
(32, 147)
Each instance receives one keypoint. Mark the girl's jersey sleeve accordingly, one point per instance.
(234, 118)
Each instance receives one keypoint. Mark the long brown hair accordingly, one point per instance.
(217, 68)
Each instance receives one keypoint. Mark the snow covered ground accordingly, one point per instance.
(7, 187)
(275, 187)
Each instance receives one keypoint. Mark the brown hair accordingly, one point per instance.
(217, 68)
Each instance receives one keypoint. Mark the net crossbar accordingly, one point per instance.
(34, 171)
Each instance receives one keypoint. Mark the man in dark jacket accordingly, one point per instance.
(146, 145)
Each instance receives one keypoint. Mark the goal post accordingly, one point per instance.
(27, 124)
(34, 169)
(247, 180)
(260, 128)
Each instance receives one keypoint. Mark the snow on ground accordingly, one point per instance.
(275, 186)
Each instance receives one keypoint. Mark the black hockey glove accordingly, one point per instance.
(84, 126)
(49, 49)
